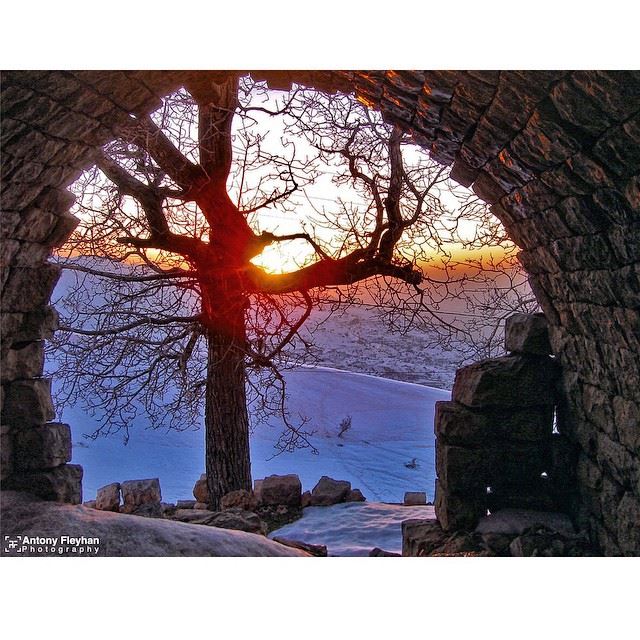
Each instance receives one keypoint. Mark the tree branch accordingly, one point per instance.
(132, 325)
(144, 133)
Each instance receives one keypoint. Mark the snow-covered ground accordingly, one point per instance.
(388, 450)
(354, 529)
(392, 423)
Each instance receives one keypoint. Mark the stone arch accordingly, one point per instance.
(556, 154)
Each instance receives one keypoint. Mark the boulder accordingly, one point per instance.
(89, 503)
(381, 553)
(355, 495)
(108, 497)
(136, 493)
(285, 490)
(185, 504)
(305, 500)
(527, 333)
(200, 506)
(318, 550)
(126, 535)
(510, 381)
(414, 498)
(241, 499)
(329, 491)
(42, 447)
(200, 489)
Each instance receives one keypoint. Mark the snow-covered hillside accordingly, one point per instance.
(392, 423)
(357, 340)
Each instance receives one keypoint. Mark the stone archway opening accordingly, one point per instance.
(555, 153)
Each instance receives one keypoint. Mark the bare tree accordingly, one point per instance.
(180, 315)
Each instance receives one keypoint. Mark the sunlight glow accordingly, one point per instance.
(284, 257)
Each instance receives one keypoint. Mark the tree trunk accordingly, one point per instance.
(228, 464)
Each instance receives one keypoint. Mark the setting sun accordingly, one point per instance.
(285, 257)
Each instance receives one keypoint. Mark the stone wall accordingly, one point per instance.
(556, 154)
(496, 442)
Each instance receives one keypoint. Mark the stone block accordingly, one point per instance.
(456, 424)
(241, 499)
(29, 288)
(136, 493)
(627, 422)
(509, 381)
(62, 484)
(463, 173)
(28, 403)
(200, 489)
(65, 225)
(459, 512)
(281, 490)
(527, 333)
(42, 447)
(460, 469)
(39, 324)
(23, 363)
(628, 525)
(575, 107)
(414, 498)
(6, 452)
(108, 497)
(420, 537)
(35, 225)
(459, 425)
(329, 491)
